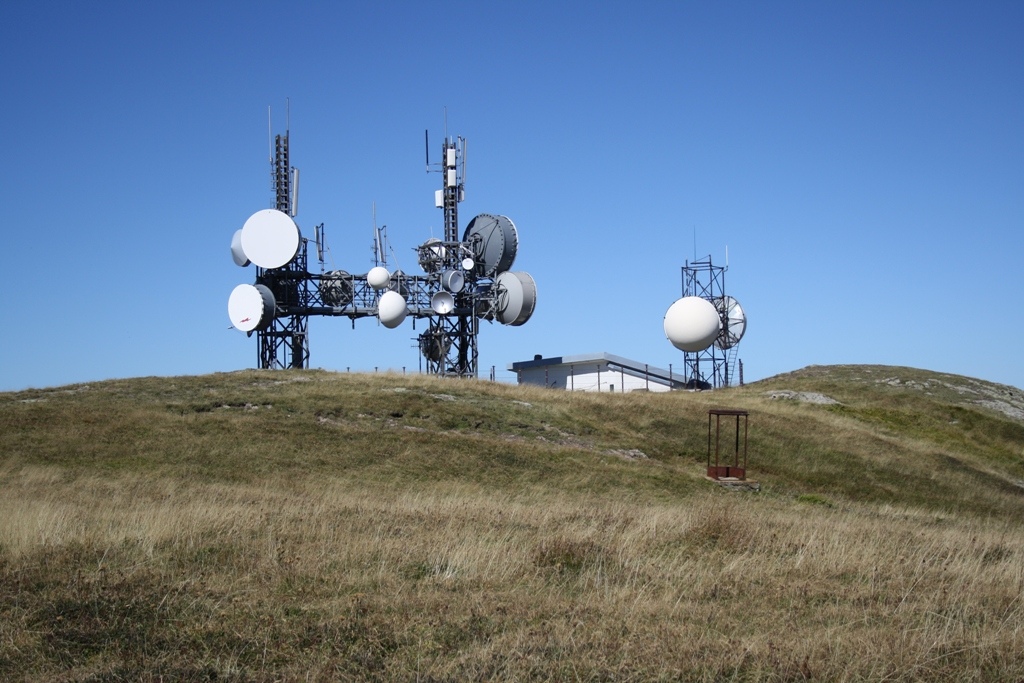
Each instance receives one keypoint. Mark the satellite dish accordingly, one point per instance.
(692, 323)
(251, 307)
(468, 263)
(336, 288)
(378, 277)
(270, 238)
(391, 309)
(443, 303)
(453, 281)
(734, 322)
(237, 253)
(494, 241)
(517, 297)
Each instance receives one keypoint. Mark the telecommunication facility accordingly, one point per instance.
(465, 279)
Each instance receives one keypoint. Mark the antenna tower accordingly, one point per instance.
(466, 280)
(715, 365)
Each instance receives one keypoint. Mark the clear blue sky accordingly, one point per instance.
(863, 162)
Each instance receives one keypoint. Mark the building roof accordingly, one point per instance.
(618, 362)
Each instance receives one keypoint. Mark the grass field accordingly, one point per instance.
(263, 526)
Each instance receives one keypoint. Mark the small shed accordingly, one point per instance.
(596, 372)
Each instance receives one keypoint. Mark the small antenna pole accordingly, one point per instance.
(426, 142)
(465, 146)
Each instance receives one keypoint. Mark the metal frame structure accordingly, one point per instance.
(450, 343)
(285, 343)
(711, 367)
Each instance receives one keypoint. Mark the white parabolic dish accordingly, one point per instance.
(391, 309)
(251, 307)
(517, 297)
(692, 323)
(237, 253)
(270, 238)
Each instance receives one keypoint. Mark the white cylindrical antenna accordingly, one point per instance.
(295, 192)
(464, 147)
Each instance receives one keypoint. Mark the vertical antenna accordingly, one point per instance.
(270, 150)
(426, 141)
(695, 243)
(287, 115)
(464, 147)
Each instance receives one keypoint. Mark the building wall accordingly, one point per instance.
(587, 377)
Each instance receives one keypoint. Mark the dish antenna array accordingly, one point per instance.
(706, 325)
(466, 280)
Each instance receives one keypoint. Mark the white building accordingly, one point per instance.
(595, 372)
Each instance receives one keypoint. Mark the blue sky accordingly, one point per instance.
(862, 162)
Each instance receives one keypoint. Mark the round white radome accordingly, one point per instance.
(391, 309)
(692, 323)
(378, 277)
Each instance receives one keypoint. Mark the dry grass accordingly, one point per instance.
(162, 566)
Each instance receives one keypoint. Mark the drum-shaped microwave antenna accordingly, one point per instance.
(251, 307)
(391, 309)
(453, 281)
(494, 241)
(692, 323)
(734, 322)
(442, 303)
(270, 238)
(237, 253)
(517, 297)
(378, 277)
(336, 288)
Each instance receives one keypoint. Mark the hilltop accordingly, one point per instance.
(272, 525)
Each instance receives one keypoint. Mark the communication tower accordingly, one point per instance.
(465, 280)
(706, 325)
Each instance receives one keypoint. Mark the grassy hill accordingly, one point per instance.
(319, 526)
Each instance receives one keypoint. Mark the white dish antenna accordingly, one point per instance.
(468, 264)
(495, 242)
(237, 253)
(734, 322)
(692, 324)
(517, 297)
(378, 277)
(442, 303)
(251, 307)
(270, 238)
(391, 309)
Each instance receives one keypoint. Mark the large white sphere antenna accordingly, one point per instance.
(692, 324)
(734, 322)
